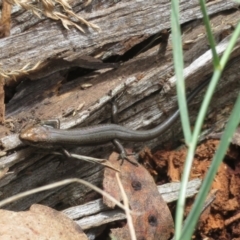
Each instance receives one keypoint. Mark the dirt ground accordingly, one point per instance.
(220, 220)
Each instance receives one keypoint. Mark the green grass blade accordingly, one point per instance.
(231, 126)
(209, 33)
(198, 204)
(178, 66)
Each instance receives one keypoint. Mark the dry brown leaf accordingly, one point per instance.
(40, 222)
(153, 219)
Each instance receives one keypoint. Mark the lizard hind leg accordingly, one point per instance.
(123, 155)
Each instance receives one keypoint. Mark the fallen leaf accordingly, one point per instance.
(153, 219)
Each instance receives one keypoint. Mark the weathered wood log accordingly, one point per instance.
(124, 25)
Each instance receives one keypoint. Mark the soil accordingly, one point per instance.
(220, 220)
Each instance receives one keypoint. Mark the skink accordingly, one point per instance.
(47, 136)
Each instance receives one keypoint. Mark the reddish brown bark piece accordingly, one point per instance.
(2, 105)
(5, 22)
(155, 220)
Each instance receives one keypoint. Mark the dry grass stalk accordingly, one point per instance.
(14, 74)
(48, 7)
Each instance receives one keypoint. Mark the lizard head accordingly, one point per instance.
(37, 136)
